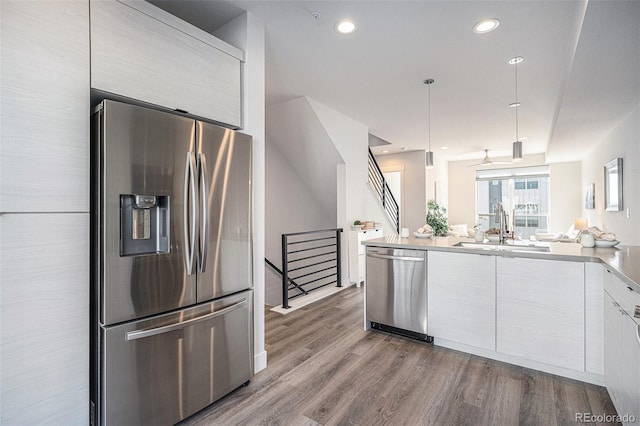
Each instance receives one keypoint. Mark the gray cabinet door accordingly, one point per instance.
(144, 152)
(225, 196)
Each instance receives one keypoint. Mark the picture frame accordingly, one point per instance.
(590, 197)
(613, 185)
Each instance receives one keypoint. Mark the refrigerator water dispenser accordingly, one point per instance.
(144, 224)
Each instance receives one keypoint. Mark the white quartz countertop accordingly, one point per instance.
(623, 261)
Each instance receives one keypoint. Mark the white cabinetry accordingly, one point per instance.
(44, 219)
(44, 311)
(622, 346)
(594, 318)
(461, 298)
(142, 52)
(357, 258)
(540, 311)
(44, 152)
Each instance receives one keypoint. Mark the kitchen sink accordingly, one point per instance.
(505, 247)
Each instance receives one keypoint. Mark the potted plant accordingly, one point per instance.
(356, 225)
(437, 219)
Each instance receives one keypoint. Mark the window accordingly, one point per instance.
(522, 184)
(524, 194)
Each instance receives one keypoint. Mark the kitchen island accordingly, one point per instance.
(623, 261)
(554, 307)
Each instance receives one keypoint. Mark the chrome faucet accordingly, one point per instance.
(502, 221)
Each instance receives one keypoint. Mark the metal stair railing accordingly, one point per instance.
(383, 193)
(310, 260)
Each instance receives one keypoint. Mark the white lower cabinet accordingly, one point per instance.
(622, 348)
(461, 298)
(541, 311)
(594, 318)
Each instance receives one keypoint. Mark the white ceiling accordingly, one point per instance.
(580, 76)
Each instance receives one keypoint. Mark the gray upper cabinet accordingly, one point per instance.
(142, 52)
(44, 151)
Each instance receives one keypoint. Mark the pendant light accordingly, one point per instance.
(429, 162)
(517, 145)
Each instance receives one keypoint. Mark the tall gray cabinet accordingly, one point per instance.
(44, 212)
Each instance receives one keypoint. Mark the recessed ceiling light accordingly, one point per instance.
(516, 60)
(486, 25)
(345, 26)
(384, 151)
(444, 147)
(514, 104)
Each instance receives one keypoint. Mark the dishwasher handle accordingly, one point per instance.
(390, 257)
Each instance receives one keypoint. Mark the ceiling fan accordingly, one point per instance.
(488, 161)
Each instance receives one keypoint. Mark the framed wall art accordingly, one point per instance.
(590, 197)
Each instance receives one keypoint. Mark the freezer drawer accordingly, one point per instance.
(161, 370)
(396, 289)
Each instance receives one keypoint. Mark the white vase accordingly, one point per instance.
(587, 240)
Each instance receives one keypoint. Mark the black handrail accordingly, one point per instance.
(383, 192)
(309, 270)
(275, 268)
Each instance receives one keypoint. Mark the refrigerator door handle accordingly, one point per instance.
(141, 334)
(190, 186)
(204, 200)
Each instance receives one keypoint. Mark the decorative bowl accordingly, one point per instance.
(425, 235)
(606, 243)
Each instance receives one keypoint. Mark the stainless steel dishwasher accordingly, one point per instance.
(396, 291)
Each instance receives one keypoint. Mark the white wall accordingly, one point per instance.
(295, 129)
(351, 140)
(623, 142)
(414, 192)
(290, 207)
(566, 195)
(247, 33)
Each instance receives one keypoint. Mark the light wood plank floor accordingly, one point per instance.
(324, 369)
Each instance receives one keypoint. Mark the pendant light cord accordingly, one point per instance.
(429, 115)
(517, 105)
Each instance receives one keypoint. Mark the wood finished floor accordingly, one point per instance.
(324, 369)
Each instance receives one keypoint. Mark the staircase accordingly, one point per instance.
(383, 194)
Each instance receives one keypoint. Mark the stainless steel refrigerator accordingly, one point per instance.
(172, 309)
